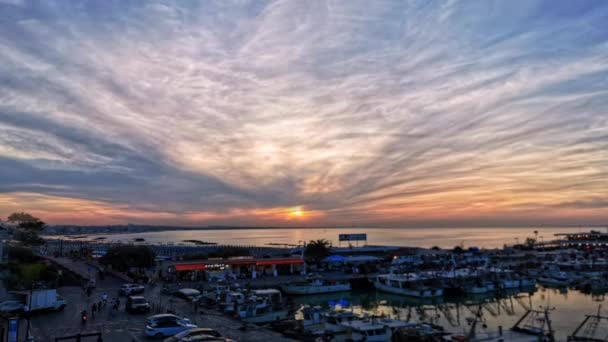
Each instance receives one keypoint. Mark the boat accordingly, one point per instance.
(420, 332)
(480, 287)
(472, 335)
(536, 323)
(591, 328)
(369, 331)
(260, 313)
(527, 282)
(412, 285)
(316, 286)
(560, 279)
(334, 320)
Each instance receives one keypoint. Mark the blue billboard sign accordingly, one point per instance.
(353, 237)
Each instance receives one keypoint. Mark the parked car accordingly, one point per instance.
(137, 304)
(12, 306)
(165, 318)
(167, 328)
(188, 294)
(205, 338)
(193, 332)
(129, 289)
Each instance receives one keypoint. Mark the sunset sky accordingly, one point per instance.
(305, 113)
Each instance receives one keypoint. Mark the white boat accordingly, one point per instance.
(360, 330)
(316, 286)
(406, 285)
(262, 313)
(334, 320)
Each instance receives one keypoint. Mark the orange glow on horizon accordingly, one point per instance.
(296, 212)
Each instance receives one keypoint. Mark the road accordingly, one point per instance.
(118, 326)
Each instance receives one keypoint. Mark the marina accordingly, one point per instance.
(384, 293)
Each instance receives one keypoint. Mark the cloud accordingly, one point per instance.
(386, 112)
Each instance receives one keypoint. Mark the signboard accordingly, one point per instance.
(353, 237)
(13, 329)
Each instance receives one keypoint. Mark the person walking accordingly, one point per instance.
(104, 298)
(93, 310)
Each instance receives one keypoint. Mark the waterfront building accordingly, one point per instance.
(236, 268)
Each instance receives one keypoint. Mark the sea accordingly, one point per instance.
(488, 237)
(566, 309)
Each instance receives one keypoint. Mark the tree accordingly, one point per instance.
(28, 228)
(316, 250)
(123, 257)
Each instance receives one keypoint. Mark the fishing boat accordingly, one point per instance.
(555, 278)
(316, 286)
(369, 331)
(479, 287)
(261, 313)
(413, 285)
(334, 320)
(591, 329)
(527, 282)
(536, 323)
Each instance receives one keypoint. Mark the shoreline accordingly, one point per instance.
(117, 230)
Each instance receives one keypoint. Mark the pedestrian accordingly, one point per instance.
(115, 304)
(99, 305)
(104, 298)
(93, 310)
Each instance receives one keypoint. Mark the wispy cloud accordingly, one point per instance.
(383, 112)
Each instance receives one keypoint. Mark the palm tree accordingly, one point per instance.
(316, 250)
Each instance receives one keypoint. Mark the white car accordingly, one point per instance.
(129, 289)
(167, 328)
(12, 306)
(165, 318)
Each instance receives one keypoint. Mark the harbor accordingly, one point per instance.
(550, 290)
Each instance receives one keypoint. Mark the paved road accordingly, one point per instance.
(118, 326)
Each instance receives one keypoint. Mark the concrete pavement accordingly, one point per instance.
(118, 326)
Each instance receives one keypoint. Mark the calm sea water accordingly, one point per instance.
(419, 237)
(568, 309)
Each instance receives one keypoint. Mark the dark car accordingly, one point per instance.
(205, 338)
(188, 294)
(193, 332)
(137, 304)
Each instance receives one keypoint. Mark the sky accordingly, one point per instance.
(305, 113)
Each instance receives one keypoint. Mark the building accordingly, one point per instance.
(235, 268)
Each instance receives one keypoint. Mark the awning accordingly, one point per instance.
(190, 267)
(279, 262)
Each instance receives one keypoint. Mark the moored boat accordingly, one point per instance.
(316, 286)
(407, 285)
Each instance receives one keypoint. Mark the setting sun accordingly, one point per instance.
(296, 212)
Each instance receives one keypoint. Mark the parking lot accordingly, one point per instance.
(119, 326)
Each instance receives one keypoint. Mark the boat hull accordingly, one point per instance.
(426, 293)
(312, 290)
(267, 317)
